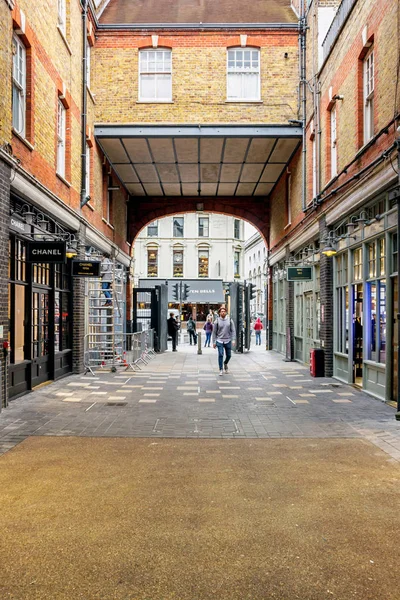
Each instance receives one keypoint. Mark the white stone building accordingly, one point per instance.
(190, 247)
(255, 271)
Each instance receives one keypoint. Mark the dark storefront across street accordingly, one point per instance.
(40, 297)
(203, 295)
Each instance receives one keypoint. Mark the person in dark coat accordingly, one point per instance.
(191, 329)
(173, 327)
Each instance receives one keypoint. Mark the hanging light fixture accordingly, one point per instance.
(329, 250)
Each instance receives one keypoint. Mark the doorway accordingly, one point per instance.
(40, 345)
(358, 334)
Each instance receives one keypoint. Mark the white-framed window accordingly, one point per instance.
(203, 262)
(368, 79)
(236, 229)
(61, 139)
(314, 168)
(333, 142)
(155, 75)
(243, 74)
(87, 177)
(152, 262)
(152, 229)
(88, 60)
(236, 264)
(109, 201)
(178, 224)
(19, 87)
(62, 16)
(177, 262)
(203, 226)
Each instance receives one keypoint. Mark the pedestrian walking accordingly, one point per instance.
(258, 327)
(208, 328)
(223, 335)
(173, 327)
(191, 329)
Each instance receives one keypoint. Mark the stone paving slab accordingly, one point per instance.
(181, 395)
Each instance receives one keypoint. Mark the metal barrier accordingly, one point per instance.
(109, 352)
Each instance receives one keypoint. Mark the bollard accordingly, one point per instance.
(199, 347)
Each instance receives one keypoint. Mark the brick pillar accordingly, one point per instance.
(5, 172)
(289, 289)
(78, 304)
(326, 292)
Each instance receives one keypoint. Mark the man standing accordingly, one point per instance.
(224, 335)
(173, 329)
(191, 329)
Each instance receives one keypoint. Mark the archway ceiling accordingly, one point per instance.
(200, 161)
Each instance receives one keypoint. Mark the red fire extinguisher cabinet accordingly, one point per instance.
(317, 362)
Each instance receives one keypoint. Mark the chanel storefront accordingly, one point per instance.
(40, 299)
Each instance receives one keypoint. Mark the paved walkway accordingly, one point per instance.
(180, 395)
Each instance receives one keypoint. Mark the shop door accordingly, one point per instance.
(309, 329)
(40, 337)
(357, 333)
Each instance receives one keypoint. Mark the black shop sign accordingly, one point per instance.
(299, 274)
(86, 268)
(46, 252)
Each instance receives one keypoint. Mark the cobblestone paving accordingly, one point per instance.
(181, 394)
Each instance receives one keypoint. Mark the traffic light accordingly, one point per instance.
(175, 292)
(185, 292)
(252, 291)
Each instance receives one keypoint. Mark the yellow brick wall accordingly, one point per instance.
(198, 86)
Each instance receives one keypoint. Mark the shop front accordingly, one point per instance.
(40, 299)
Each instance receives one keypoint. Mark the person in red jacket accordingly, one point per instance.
(258, 327)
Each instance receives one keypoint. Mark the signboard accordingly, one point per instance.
(46, 252)
(299, 274)
(200, 290)
(17, 225)
(86, 268)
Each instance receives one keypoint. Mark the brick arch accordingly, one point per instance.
(143, 211)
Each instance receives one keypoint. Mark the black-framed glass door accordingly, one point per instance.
(40, 348)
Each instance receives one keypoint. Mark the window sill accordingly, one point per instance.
(23, 140)
(64, 39)
(153, 101)
(243, 101)
(287, 226)
(107, 223)
(61, 178)
(89, 206)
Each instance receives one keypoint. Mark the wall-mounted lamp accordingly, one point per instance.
(329, 250)
(72, 246)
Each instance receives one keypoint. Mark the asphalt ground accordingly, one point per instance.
(178, 498)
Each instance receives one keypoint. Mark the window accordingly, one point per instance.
(314, 168)
(108, 213)
(376, 341)
(357, 265)
(178, 227)
(87, 176)
(243, 74)
(152, 262)
(236, 229)
(61, 117)
(368, 79)
(62, 16)
(203, 263)
(288, 198)
(155, 75)
(372, 259)
(203, 226)
(178, 263)
(236, 264)
(19, 87)
(88, 57)
(152, 229)
(333, 143)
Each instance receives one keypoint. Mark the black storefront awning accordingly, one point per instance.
(201, 291)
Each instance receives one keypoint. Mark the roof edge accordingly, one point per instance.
(194, 26)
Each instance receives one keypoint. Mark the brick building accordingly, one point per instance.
(282, 113)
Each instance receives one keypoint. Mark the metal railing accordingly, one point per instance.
(112, 351)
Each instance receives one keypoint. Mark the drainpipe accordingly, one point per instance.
(303, 84)
(397, 142)
(84, 4)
